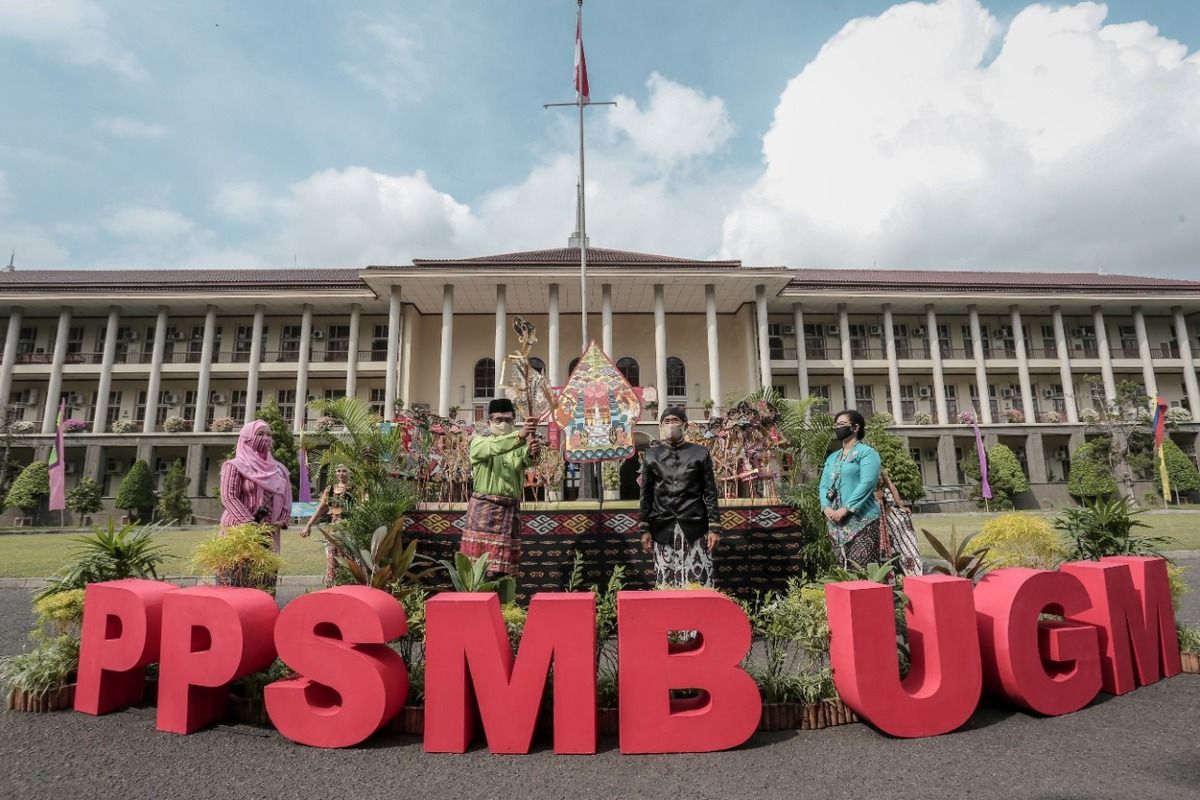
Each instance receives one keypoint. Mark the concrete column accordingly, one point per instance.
(750, 357)
(156, 362)
(255, 361)
(195, 469)
(889, 340)
(1106, 370)
(981, 380)
(1023, 367)
(764, 338)
(93, 458)
(660, 345)
(939, 376)
(501, 345)
(1035, 454)
(1064, 365)
(352, 356)
(1139, 324)
(947, 463)
(552, 336)
(393, 352)
(301, 411)
(1076, 441)
(10, 358)
(801, 353)
(1189, 366)
(410, 316)
(210, 334)
(447, 350)
(50, 412)
(847, 356)
(714, 347)
(106, 363)
(606, 319)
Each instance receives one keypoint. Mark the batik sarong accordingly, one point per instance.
(493, 527)
(679, 565)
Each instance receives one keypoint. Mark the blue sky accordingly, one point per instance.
(238, 134)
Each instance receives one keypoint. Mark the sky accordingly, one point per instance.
(957, 134)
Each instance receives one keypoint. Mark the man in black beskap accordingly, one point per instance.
(680, 520)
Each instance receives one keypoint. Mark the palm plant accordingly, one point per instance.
(372, 451)
(109, 554)
(957, 560)
(471, 576)
(1105, 528)
(387, 560)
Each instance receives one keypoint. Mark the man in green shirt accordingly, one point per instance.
(498, 463)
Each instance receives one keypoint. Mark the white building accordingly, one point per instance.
(145, 346)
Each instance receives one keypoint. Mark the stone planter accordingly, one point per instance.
(612, 494)
(1191, 662)
(58, 699)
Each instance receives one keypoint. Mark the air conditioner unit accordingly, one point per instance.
(197, 335)
(114, 465)
(69, 468)
(876, 330)
(318, 334)
(177, 336)
(170, 399)
(74, 400)
(1077, 333)
(833, 330)
(161, 465)
(1006, 392)
(919, 330)
(789, 330)
(925, 391)
(1049, 393)
(218, 398)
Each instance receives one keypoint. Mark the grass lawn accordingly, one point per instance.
(36, 555)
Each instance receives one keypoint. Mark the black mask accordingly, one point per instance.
(843, 432)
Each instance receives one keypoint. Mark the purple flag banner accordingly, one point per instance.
(305, 488)
(985, 488)
(58, 467)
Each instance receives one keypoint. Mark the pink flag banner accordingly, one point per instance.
(581, 79)
(985, 488)
(305, 487)
(58, 474)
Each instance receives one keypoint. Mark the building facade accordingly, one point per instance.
(167, 355)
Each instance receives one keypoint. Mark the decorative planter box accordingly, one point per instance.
(53, 700)
(250, 710)
(1191, 662)
(411, 719)
(798, 716)
(608, 721)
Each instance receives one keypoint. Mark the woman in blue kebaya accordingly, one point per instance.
(848, 493)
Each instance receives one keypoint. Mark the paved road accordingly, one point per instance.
(1143, 745)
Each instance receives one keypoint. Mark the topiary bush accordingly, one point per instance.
(1005, 476)
(84, 498)
(1181, 472)
(136, 492)
(1021, 540)
(173, 503)
(30, 488)
(1091, 476)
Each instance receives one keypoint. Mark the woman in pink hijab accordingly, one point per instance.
(254, 486)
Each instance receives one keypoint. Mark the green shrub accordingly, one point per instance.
(1005, 475)
(136, 492)
(283, 441)
(1181, 472)
(1105, 528)
(61, 612)
(173, 503)
(1091, 476)
(896, 459)
(48, 666)
(30, 487)
(240, 557)
(1021, 540)
(109, 554)
(85, 498)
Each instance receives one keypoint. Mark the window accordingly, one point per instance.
(858, 341)
(864, 400)
(775, 340)
(539, 365)
(951, 401)
(945, 345)
(139, 411)
(821, 392)
(814, 341)
(1088, 343)
(1049, 342)
(114, 408)
(629, 368)
(237, 403)
(900, 333)
(286, 400)
(289, 343)
(376, 401)
(243, 343)
(1129, 341)
(379, 343)
(27, 340)
(338, 344)
(485, 378)
(676, 378)
(908, 401)
(189, 405)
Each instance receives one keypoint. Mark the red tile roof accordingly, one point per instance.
(817, 279)
(570, 256)
(85, 280)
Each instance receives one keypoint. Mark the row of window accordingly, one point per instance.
(484, 382)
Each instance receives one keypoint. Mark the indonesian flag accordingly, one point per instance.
(581, 81)
(1160, 419)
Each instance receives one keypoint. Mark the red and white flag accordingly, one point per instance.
(581, 81)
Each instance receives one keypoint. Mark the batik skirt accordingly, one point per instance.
(678, 565)
(859, 549)
(492, 527)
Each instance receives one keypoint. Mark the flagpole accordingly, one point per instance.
(583, 306)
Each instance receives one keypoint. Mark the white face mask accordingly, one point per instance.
(671, 432)
(500, 428)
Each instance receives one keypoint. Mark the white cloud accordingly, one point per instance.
(74, 31)
(388, 60)
(1077, 147)
(679, 122)
(147, 223)
(126, 128)
(241, 201)
(34, 246)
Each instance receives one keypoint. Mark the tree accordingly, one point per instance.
(1119, 419)
(84, 499)
(29, 488)
(136, 492)
(1183, 475)
(1005, 476)
(896, 459)
(173, 503)
(283, 442)
(1090, 476)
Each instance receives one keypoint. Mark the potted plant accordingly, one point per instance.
(551, 469)
(43, 678)
(610, 474)
(246, 695)
(123, 426)
(72, 425)
(922, 418)
(240, 557)
(175, 424)
(325, 424)
(454, 412)
(1015, 416)
(224, 425)
(1189, 647)
(23, 426)
(411, 648)
(708, 407)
